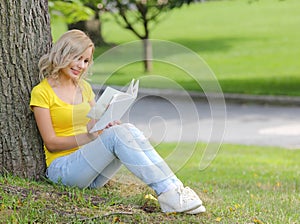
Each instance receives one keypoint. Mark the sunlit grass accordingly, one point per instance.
(244, 184)
(251, 48)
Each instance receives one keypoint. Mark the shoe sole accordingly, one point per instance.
(200, 209)
(183, 210)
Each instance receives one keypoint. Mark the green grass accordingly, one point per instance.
(244, 184)
(251, 48)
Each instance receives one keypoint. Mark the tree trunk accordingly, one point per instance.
(92, 28)
(25, 36)
(147, 55)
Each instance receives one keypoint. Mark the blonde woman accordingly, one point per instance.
(75, 157)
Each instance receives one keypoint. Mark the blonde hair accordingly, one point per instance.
(69, 46)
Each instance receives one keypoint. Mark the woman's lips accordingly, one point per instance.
(75, 72)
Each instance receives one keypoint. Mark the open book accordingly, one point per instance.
(112, 105)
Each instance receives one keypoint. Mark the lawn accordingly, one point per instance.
(251, 48)
(244, 184)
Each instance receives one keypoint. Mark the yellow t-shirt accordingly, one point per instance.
(67, 119)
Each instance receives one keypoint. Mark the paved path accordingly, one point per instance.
(249, 124)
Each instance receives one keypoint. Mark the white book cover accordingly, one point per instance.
(112, 105)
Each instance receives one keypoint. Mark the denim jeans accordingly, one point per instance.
(96, 162)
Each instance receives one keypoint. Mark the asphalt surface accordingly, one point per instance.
(173, 118)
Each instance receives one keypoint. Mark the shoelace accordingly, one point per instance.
(185, 194)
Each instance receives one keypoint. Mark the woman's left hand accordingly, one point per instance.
(113, 123)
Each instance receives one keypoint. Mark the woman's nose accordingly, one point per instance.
(81, 64)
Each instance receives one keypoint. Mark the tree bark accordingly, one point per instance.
(147, 55)
(25, 36)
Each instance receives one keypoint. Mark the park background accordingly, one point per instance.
(253, 48)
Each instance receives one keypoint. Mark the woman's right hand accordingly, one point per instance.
(89, 126)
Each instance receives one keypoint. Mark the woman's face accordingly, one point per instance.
(79, 65)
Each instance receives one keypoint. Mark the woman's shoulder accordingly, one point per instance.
(42, 86)
(41, 95)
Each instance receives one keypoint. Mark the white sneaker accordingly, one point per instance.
(198, 210)
(181, 199)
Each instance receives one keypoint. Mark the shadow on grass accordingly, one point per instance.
(209, 45)
(285, 86)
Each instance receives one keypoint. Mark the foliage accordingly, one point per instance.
(72, 11)
(79, 10)
(134, 15)
(243, 185)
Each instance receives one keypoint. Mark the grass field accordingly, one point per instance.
(244, 184)
(251, 48)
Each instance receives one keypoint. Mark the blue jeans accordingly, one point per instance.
(96, 162)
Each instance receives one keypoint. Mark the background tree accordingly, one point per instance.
(92, 26)
(25, 36)
(140, 17)
(80, 14)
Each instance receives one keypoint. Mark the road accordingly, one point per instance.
(176, 119)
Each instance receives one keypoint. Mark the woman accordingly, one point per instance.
(74, 156)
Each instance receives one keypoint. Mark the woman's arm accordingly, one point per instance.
(55, 143)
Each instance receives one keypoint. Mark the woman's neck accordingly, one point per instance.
(63, 82)
(67, 90)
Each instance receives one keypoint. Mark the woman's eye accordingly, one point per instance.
(81, 58)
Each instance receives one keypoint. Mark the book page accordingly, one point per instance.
(112, 105)
(115, 111)
(102, 103)
(133, 88)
